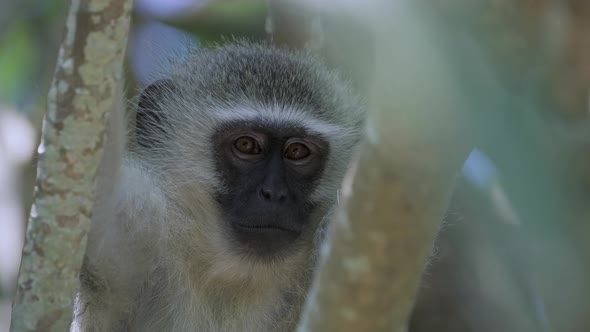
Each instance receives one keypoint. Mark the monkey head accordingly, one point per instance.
(251, 144)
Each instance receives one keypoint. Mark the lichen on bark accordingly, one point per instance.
(83, 92)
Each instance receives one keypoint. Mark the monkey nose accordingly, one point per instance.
(273, 194)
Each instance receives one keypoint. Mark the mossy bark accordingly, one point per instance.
(83, 92)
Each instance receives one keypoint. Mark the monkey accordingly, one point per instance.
(212, 216)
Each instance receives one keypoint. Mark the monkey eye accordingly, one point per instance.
(247, 145)
(296, 151)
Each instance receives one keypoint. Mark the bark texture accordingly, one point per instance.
(83, 92)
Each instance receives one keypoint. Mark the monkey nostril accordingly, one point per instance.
(266, 194)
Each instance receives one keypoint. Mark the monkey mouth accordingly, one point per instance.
(265, 227)
(265, 239)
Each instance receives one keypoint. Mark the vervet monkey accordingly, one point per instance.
(211, 219)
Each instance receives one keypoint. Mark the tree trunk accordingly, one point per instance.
(83, 92)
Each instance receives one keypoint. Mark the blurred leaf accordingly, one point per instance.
(226, 18)
(17, 61)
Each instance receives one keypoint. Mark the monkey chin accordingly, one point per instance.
(246, 255)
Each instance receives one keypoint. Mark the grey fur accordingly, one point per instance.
(156, 258)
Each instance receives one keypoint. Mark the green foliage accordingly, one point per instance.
(226, 18)
(17, 61)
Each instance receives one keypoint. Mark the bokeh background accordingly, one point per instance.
(507, 243)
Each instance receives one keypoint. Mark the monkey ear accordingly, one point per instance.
(149, 118)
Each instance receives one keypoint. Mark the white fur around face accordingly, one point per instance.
(159, 258)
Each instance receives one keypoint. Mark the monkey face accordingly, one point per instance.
(268, 174)
(250, 146)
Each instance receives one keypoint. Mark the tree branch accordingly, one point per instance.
(88, 74)
(395, 199)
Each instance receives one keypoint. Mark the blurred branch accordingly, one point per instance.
(395, 199)
(293, 24)
(83, 91)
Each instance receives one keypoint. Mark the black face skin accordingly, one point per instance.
(269, 172)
